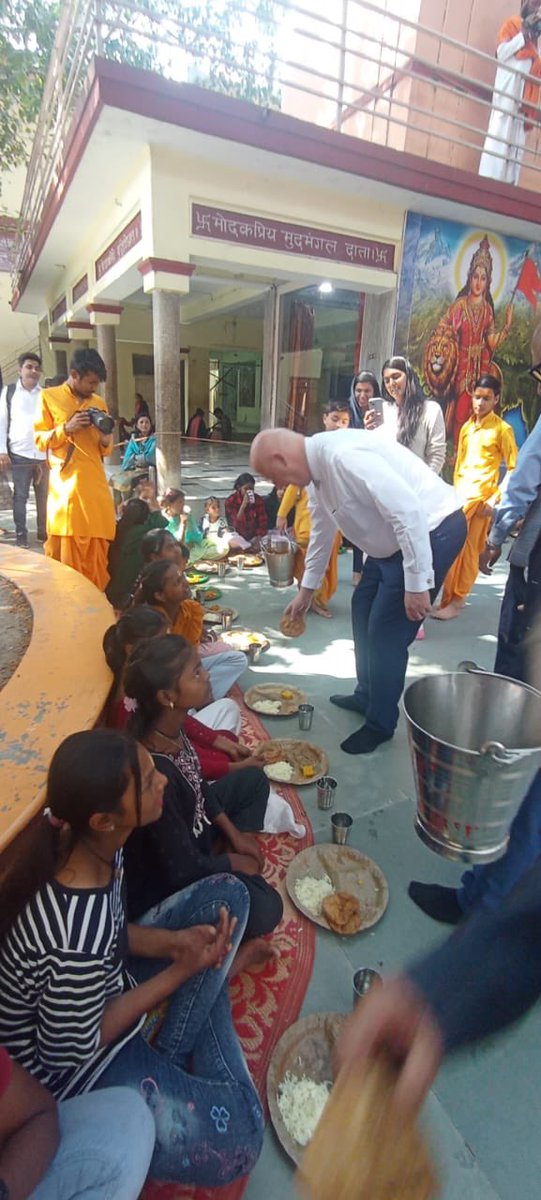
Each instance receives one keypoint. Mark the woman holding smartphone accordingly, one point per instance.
(415, 421)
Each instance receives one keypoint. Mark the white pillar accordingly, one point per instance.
(378, 332)
(269, 374)
(166, 325)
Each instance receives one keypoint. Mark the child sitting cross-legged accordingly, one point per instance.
(184, 527)
(205, 828)
(77, 980)
(214, 733)
(162, 584)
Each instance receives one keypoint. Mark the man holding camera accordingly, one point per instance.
(76, 432)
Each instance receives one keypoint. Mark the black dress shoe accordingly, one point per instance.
(351, 703)
(437, 902)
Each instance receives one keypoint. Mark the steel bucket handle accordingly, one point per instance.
(470, 667)
(499, 754)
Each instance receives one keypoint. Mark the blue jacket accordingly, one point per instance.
(137, 448)
(488, 974)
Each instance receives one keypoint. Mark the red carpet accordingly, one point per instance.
(268, 999)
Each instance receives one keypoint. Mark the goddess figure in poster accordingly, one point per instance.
(462, 346)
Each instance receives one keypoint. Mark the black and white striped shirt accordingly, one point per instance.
(61, 962)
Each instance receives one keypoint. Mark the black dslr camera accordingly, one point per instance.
(100, 419)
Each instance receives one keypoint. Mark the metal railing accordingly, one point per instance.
(366, 71)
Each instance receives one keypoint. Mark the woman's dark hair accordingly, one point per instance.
(152, 667)
(409, 412)
(147, 417)
(89, 773)
(151, 581)
(152, 543)
(135, 513)
(242, 480)
(136, 625)
(366, 377)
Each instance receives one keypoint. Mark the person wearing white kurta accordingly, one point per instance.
(503, 150)
(387, 502)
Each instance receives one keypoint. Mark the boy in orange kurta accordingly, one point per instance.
(336, 415)
(80, 508)
(485, 444)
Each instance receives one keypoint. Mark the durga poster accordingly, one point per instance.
(470, 303)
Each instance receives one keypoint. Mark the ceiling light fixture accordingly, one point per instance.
(326, 288)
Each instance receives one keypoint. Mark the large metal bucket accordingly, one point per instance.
(279, 553)
(475, 740)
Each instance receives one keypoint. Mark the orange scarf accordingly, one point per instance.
(530, 99)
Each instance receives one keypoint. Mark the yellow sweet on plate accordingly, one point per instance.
(286, 694)
(308, 772)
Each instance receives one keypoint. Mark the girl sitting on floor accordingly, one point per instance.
(214, 733)
(183, 526)
(246, 514)
(76, 980)
(163, 586)
(167, 680)
(125, 553)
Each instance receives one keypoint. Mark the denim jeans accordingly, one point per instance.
(382, 632)
(224, 669)
(106, 1143)
(519, 615)
(487, 887)
(27, 471)
(209, 1120)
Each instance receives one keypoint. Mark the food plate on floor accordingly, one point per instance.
(274, 699)
(209, 595)
(250, 560)
(246, 640)
(213, 615)
(299, 1079)
(322, 871)
(290, 760)
(212, 567)
(194, 578)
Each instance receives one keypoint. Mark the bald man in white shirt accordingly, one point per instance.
(409, 524)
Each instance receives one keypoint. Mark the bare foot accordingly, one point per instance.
(252, 954)
(321, 612)
(446, 614)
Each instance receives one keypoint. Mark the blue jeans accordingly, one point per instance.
(486, 887)
(224, 670)
(106, 1144)
(381, 630)
(209, 1121)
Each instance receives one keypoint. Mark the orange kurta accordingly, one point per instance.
(298, 497)
(482, 449)
(188, 622)
(80, 509)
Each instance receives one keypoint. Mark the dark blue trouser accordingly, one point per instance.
(27, 471)
(486, 887)
(381, 630)
(521, 606)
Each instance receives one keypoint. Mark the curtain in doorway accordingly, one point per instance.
(301, 337)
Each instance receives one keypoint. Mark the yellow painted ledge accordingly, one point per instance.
(60, 684)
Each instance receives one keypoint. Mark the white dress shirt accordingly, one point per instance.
(381, 496)
(25, 410)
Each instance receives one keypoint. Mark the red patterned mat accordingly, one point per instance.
(267, 1000)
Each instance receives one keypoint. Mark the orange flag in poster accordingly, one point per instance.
(529, 282)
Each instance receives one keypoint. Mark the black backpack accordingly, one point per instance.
(10, 392)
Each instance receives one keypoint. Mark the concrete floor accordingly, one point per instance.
(485, 1111)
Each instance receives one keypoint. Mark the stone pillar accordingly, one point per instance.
(269, 373)
(106, 347)
(166, 325)
(378, 331)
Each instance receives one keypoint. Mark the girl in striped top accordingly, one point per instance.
(76, 981)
